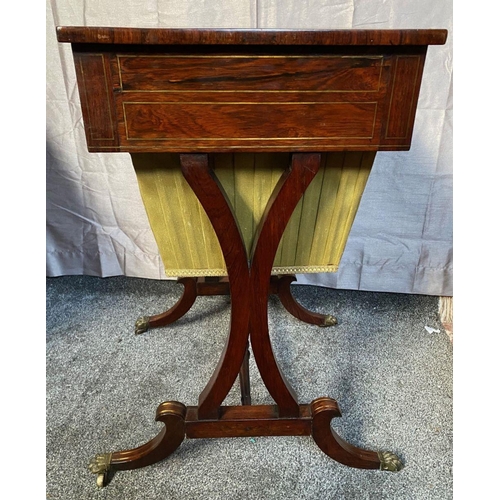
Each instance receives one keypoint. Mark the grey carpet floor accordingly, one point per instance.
(391, 378)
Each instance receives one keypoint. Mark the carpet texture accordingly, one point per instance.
(391, 376)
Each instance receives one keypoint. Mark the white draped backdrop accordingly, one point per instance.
(401, 240)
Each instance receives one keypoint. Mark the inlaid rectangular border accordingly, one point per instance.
(95, 87)
(404, 89)
(177, 139)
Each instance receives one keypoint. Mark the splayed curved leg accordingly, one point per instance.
(144, 323)
(297, 310)
(173, 415)
(323, 410)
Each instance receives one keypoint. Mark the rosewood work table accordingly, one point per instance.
(199, 109)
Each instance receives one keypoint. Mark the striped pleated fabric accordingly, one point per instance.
(315, 236)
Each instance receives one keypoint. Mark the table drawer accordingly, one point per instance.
(249, 102)
(251, 73)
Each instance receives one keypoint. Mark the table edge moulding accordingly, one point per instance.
(188, 100)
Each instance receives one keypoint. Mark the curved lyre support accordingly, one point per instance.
(179, 309)
(323, 410)
(280, 207)
(295, 309)
(249, 284)
(211, 195)
(173, 415)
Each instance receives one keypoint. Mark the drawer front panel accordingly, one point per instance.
(249, 120)
(251, 73)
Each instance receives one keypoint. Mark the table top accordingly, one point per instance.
(168, 36)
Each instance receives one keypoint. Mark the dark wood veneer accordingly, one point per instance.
(333, 73)
(163, 36)
(176, 122)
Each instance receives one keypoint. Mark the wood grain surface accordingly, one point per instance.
(162, 36)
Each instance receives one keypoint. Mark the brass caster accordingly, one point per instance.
(329, 320)
(389, 461)
(141, 325)
(100, 465)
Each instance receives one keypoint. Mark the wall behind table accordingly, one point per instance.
(401, 240)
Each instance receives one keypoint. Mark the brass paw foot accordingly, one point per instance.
(101, 465)
(329, 320)
(389, 461)
(141, 325)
